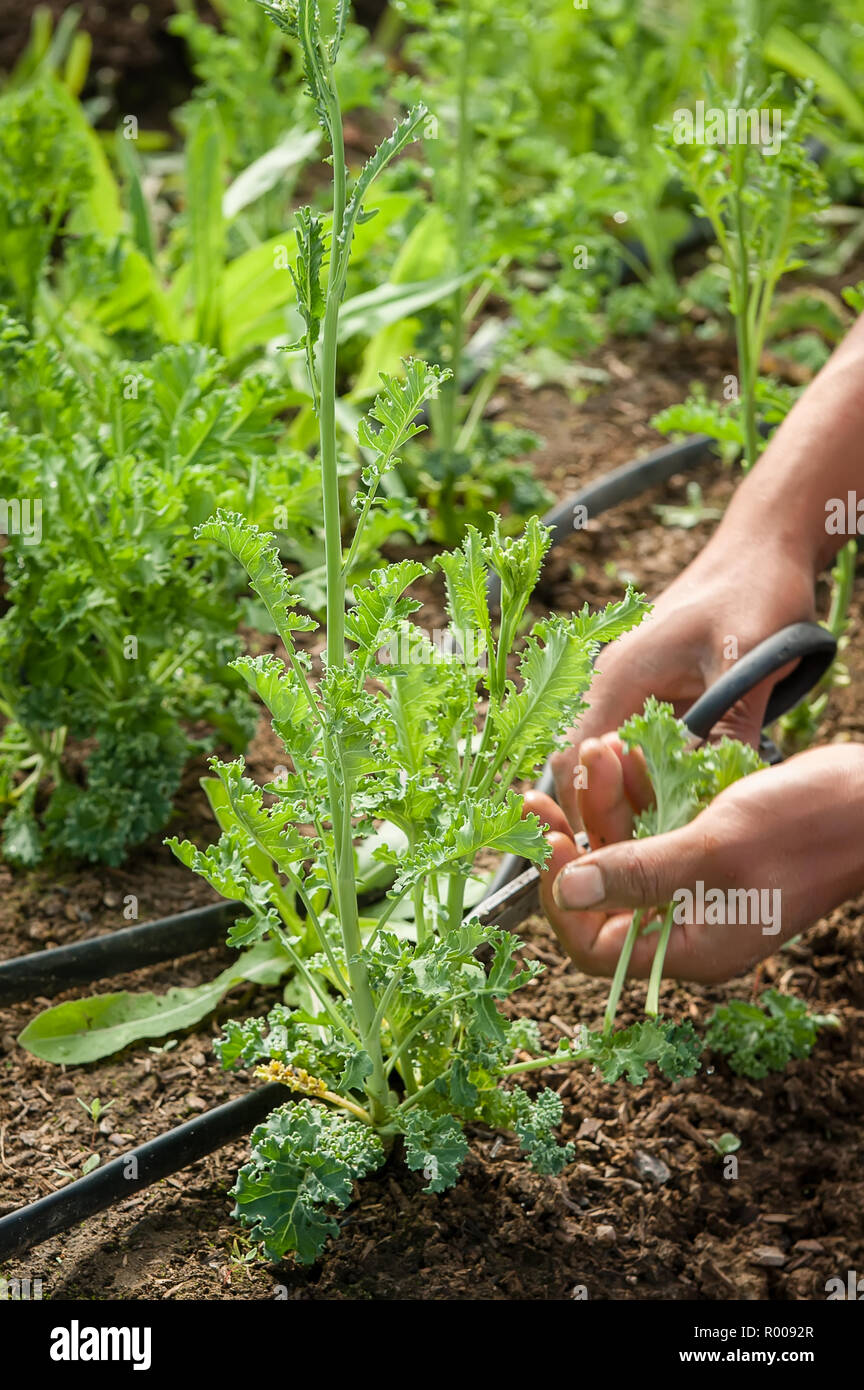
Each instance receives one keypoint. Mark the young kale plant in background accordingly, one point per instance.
(117, 627)
(497, 223)
(762, 207)
(401, 1037)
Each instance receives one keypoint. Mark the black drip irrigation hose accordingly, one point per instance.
(125, 1176)
(98, 957)
(621, 485)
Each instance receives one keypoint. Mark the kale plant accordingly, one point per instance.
(117, 626)
(393, 1035)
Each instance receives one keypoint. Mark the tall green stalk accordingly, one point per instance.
(462, 228)
(340, 798)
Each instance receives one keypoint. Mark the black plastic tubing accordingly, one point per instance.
(621, 485)
(139, 1168)
(50, 972)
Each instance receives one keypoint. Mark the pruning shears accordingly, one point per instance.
(514, 893)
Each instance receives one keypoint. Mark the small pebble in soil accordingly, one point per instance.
(769, 1257)
(605, 1235)
(647, 1166)
(194, 1102)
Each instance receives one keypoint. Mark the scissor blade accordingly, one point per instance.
(512, 904)
(518, 900)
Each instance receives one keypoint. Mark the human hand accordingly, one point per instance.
(795, 830)
(726, 602)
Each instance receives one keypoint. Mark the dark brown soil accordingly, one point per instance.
(791, 1219)
(130, 39)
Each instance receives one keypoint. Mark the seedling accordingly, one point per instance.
(684, 779)
(95, 1108)
(727, 1143)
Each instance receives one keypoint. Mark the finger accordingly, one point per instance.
(634, 873)
(593, 940)
(564, 852)
(576, 931)
(604, 808)
(547, 811)
(612, 702)
(637, 781)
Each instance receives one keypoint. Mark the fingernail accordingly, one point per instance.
(579, 885)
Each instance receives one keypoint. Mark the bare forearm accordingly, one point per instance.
(817, 454)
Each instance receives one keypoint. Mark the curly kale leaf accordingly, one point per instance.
(674, 1047)
(534, 1121)
(465, 579)
(434, 1145)
(728, 761)
(474, 825)
(280, 689)
(393, 417)
(427, 700)
(684, 778)
(380, 608)
(305, 1161)
(676, 770)
(758, 1038)
(555, 672)
(307, 275)
(517, 560)
(290, 1037)
(132, 777)
(259, 556)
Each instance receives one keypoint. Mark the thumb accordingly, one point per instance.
(632, 873)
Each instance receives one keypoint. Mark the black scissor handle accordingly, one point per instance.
(812, 646)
